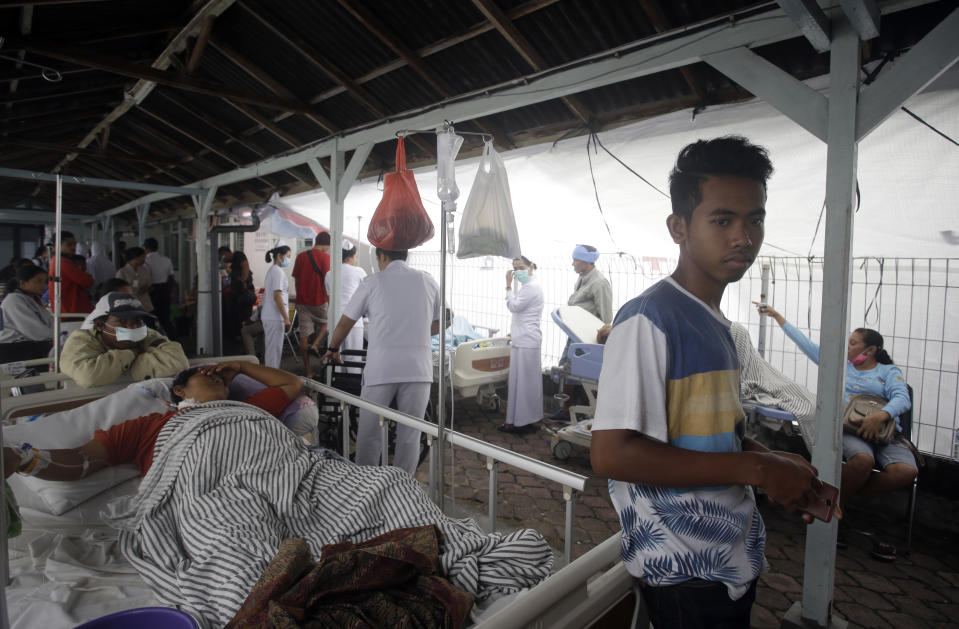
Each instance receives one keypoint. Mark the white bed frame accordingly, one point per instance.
(578, 595)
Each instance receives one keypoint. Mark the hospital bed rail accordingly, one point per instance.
(569, 481)
(577, 596)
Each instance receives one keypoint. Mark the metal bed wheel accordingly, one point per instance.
(562, 449)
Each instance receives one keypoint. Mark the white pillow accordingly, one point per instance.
(73, 428)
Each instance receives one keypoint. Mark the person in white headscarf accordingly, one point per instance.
(99, 266)
(525, 406)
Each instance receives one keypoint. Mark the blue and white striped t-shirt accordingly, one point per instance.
(670, 372)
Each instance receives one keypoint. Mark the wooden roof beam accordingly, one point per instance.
(317, 60)
(265, 79)
(661, 23)
(269, 125)
(440, 45)
(72, 54)
(526, 50)
(219, 128)
(34, 95)
(199, 45)
(386, 35)
(321, 63)
(158, 160)
(209, 147)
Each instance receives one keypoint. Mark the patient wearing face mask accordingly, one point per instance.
(117, 341)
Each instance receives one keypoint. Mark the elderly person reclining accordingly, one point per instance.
(120, 342)
(225, 484)
(132, 441)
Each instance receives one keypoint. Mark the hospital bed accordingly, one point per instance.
(584, 360)
(66, 567)
(478, 364)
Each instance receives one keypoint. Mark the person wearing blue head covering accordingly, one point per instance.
(592, 292)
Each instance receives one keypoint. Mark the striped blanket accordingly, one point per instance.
(229, 483)
(763, 384)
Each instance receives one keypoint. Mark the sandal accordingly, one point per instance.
(512, 429)
(883, 552)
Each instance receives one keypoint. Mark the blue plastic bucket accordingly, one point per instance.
(143, 618)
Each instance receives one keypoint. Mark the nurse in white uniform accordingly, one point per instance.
(275, 312)
(525, 405)
(350, 277)
(403, 307)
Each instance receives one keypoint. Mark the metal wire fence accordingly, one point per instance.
(910, 301)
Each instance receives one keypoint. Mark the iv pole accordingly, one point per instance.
(447, 146)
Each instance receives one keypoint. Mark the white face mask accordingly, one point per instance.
(187, 403)
(129, 334)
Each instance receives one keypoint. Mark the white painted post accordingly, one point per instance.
(204, 300)
(820, 561)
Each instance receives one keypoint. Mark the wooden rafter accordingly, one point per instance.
(72, 54)
(316, 59)
(206, 145)
(44, 94)
(661, 23)
(526, 50)
(199, 45)
(16, 129)
(266, 79)
(439, 46)
(389, 37)
(159, 160)
(231, 138)
(270, 126)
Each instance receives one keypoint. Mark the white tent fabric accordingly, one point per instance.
(907, 180)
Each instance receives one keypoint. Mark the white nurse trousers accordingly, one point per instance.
(273, 335)
(412, 399)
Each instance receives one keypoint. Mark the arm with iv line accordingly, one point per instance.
(60, 465)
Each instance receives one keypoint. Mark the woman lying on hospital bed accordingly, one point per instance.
(132, 441)
(227, 488)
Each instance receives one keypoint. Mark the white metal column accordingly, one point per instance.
(820, 562)
(204, 301)
(336, 185)
(142, 212)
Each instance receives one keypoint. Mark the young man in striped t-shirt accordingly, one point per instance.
(669, 430)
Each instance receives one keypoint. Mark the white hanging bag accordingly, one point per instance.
(488, 226)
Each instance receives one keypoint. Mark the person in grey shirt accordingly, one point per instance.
(592, 292)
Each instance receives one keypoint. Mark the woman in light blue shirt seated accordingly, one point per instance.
(869, 369)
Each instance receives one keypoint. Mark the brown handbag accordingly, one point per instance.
(862, 406)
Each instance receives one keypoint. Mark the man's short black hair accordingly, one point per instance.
(729, 155)
(151, 244)
(65, 235)
(180, 381)
(114, 284)
(392, 255)
(132, 253)
(322, 238)
(223, 249)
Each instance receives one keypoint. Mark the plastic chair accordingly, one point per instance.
(905, 422)
(292, 340)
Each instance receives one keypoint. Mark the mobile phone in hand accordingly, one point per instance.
(827, 497)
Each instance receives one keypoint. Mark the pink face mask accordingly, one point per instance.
(858, 360)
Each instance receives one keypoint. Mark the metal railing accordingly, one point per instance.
(495, 455)
(910, 301)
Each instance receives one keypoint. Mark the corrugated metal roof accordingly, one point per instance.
(366, 61)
